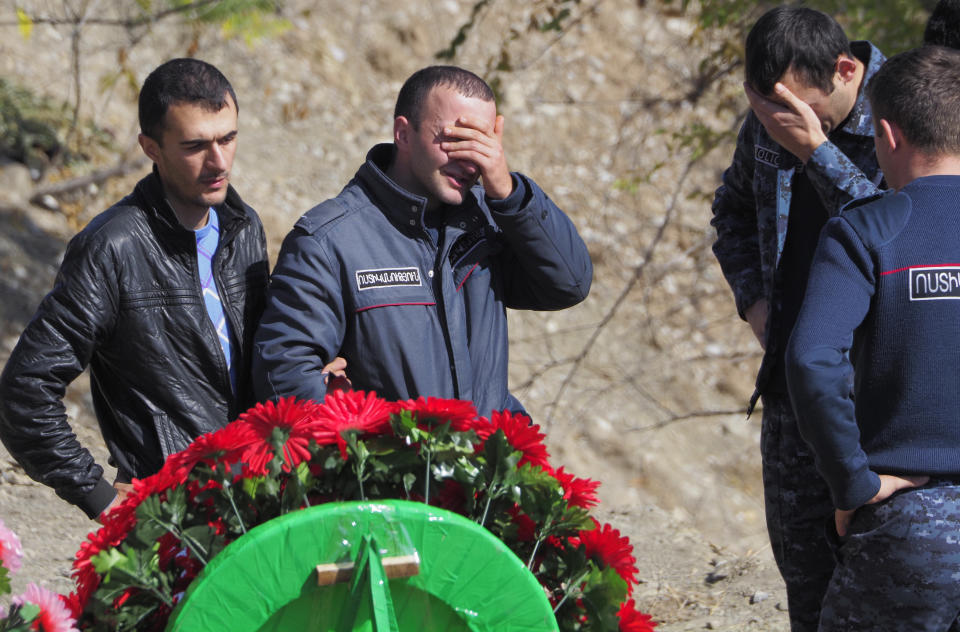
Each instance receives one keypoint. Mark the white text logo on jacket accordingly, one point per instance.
(933, 283)
(387, 277)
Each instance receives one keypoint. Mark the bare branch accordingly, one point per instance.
(574, 22)
(125, 23)
(635, 278)
(96, 177)
(694, 415)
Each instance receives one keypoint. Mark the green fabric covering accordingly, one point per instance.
(266, 580)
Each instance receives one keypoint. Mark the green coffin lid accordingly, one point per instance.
(267, 579)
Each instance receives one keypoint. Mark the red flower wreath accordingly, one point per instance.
(223, 479)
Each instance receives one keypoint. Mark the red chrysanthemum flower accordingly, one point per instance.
(298, 419)
(450, 497)
(608, 548)
(158, 619)
(521, 434)
(226, 444)
(346, 410)
(117, 525)
(53, 615)
(189, 569)
(72, 602)
(218, 525)
(168, 546)
(526, 527)
(434, 411)
(631, 620)
(247, 443)
(578, 492)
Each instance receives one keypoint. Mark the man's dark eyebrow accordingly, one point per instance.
(201, 141)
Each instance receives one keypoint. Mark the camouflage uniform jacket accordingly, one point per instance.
(752, 206)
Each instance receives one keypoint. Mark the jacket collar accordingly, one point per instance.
(150, 191)
(860, 121)
(398, 204)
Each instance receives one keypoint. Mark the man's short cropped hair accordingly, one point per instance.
(919, 91)
(943, 28)
(414, 92)
(794, 38)
(181, 81)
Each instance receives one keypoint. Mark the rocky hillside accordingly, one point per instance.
(640, 387)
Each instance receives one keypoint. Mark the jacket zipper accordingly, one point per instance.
(442, 309)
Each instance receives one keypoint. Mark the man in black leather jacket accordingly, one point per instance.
(163, 316)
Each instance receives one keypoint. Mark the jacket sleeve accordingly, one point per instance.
(55, 348)
(836, 178)
(737, 247)
(548, 265)
(818, 366)
(303, 325)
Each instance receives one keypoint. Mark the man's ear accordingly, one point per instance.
(889, 134)
(402, 129)
(149, 146)
(846, 67)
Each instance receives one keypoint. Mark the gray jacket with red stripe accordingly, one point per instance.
(360, 276)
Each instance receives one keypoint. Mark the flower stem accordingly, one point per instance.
(164, 597)
(533, 554)
(426, 493)
(236, 511)
(483, 520)
(194, 547)
(190, 543)
(570, 589)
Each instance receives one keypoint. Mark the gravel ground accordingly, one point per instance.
(638, 387)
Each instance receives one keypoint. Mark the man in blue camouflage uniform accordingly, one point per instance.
(805, 150)
(883, 307)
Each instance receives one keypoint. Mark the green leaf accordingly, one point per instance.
(501, 458)
(269, 487)
(603, 592)
(556, 23)
(251, 486)
(105, 561)
(29, 611)
(202, 535)
(408, 481)
(176, 505)
(4, 580)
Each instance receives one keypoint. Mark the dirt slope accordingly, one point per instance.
(634, 387)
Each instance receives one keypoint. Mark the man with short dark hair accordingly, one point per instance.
(159, 295)
(883, 311)
(408, 272)
(943, 27)
(805, 150)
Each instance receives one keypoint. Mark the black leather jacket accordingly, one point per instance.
(127, 302)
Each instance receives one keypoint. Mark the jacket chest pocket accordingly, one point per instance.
(391, 287)
(162, 310)
(475, 261)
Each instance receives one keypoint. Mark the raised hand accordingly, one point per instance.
(475, 141)
(790, 122)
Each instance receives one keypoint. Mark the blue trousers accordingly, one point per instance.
(798, 505)
(898, 568)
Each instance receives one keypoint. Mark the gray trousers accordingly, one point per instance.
(899, 565)
(798, 507)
